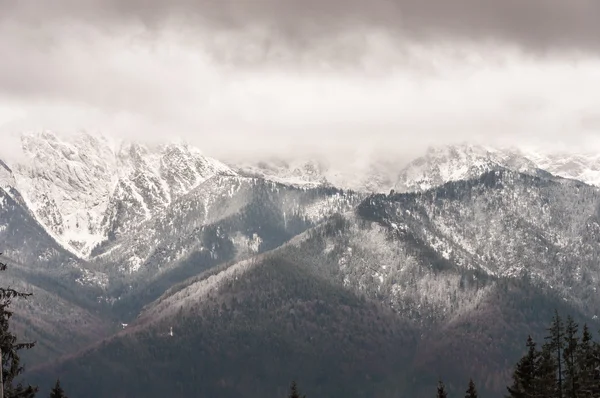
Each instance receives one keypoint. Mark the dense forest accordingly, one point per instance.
(565, 365)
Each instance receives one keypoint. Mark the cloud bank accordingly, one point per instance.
(538, 24)
(261, 77)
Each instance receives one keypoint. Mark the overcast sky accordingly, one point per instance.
(239, 77)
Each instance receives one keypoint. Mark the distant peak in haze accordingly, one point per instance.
(370, 172)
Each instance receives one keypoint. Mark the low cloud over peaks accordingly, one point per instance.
(269, 76)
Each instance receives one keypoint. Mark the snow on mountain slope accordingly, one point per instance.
(508, 225)
(582, 167)
(439, 255)
(88, 189)
(241, 211)
(459, 162)
(67, 185)
(85, 189)
(154, 180)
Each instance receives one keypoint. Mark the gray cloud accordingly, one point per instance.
(533, 24)
(253, 76)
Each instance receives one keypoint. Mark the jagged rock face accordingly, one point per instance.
(238, 205)
(155, 180)
(223, 220)
(67, 184)
(86, 189)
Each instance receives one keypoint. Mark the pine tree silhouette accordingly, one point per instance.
(571, 348)
(546, 369)
(586, 363)
(556, 344)
(441, 390)
(10, 347)
(57, 391)
(294, 391)
(471, 391)
(525, 373)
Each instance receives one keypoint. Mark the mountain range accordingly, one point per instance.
(157, 270)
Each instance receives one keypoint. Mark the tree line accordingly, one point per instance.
(565, 365)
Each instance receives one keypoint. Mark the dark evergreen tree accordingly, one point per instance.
(596, 370)
(294, 391)
(540, 374)
(556, 344)
(471, 391)
(441, 390)
(586, 364)
(524, 377)
(10, 347)
(570, 352)
(546, 369)
(57, 391)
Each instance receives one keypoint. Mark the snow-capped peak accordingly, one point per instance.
(458, 162)
(76, 186)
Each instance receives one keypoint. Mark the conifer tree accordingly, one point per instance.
(57, 391)
(556, 344)
(570, 359)
(596, 370)
(546, 368)
(471, 391)
(9, 348)
(524, 376)
(441, 390)
(586, 364)
(294, 391)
